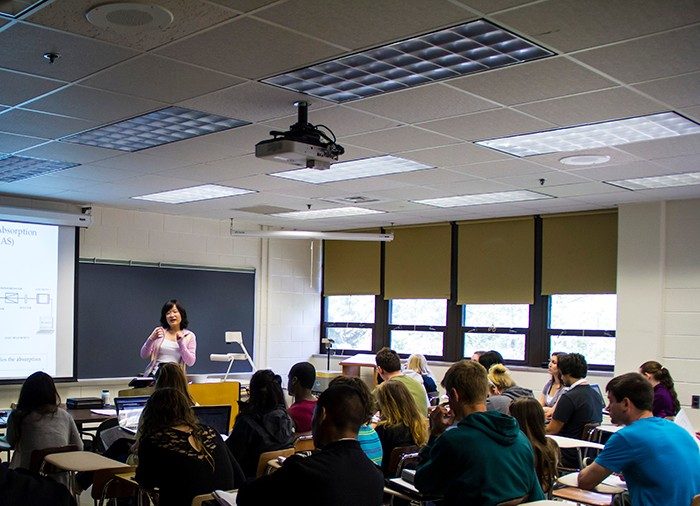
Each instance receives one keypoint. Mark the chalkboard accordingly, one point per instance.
(119, 305)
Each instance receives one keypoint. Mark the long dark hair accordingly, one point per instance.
(530, 416)
(663, 376)
(171, 375)
(39, 395)
(166, 408)
(167, 307)
(265, 393)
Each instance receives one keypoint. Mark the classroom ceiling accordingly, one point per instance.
(611, 60)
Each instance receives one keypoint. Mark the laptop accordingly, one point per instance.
(129, 411)
(216, 417)
(596, 387)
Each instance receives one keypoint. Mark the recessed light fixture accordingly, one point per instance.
(335, 212)
(16, 168)
(583, 160)
(598, 135)
(154, 129)
(452, 52)
(484, 198)
(130, 16)
(193, 194)
(354, 169)
(648, 183)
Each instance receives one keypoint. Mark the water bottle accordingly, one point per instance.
(105, 397)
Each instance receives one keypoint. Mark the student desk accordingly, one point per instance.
(600, 495)
(80, 461)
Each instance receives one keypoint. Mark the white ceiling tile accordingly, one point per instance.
(423, 103)
(244, 5)
(79, 56)
(352, 186)
(251, 102)
(253, 49)
(429, 176)
(456, 154)
(340, 119)
(141, 162)
(17, 87)
(630, 170)
(680, 91)
(664, 55)
(571, 24)
(36, 124)
(487, 125)
(552, 159)
(346, 23)
(675, 164)
(487, 6)
(572, 190)
(691, 113)
(501, 168)
(616, 103)
(188, 17)
(10, 143)
(551, 178)
(662, 148)
(531, 81)
(98, 174)
(92, 104)
(161, 79)
(395, 140)
(70, 152)
(397, 206)
(471, 187)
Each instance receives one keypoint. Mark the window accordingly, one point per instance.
(417, 326)
(349, 321)
(584, 324)
(500, 327)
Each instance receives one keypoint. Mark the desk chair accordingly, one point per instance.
(135, 392)
(513, 502)
(568, 442)
(36, 460)
(580, 496)
(400, 457)
(199, 500)
(304, 444)
(105, 486)
(265, 457)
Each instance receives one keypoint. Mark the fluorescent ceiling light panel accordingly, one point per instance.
(154, 129)
(452, 52)
(193, 194)
(335, 212)
(484, 198)
(354, 169)
(16, 168)
(598, 135)
(647, 183)
(16, 8)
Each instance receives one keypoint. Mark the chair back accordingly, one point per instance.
(100, 444)
(513, 502)
(304, 444)
(397, 455)
(37, 457)
(106, 486)
(200, 499)
(213, 394)
(265, 457)
(135, 392)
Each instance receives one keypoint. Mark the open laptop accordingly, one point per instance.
(216, 417)
(129, 411)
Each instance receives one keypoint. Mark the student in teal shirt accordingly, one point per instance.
(658, 459)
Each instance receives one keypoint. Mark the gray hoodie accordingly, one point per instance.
(501, 403)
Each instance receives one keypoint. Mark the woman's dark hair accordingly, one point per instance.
(168, 407)
(530, 416)
(171, 375)
(557, 354)
(167, 307)
(663, 376)
(265, 393)
(38, 394)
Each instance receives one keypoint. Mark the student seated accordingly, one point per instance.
(300, 381)
(400, 423)
(488, 358)
(339, 474)
(530, 416)
(38, 422)
(503, 389)
(666, 402)
(179, 455)
(485, 459)
(419, 365)
(262, 424)
(659, 460)
(389, 369)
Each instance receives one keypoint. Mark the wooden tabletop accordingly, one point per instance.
(81, 461)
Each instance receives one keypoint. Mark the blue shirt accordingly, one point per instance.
(658, 459)
(370, 444)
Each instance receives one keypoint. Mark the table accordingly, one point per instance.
(82, 416)
(351, 366)
(80, 461)
(599, 496)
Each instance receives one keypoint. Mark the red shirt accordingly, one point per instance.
(302, 412)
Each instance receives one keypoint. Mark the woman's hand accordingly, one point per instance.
(179, 335)
(158, 334)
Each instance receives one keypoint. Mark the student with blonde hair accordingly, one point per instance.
(503, 389)
(419, 365)
(401, 424)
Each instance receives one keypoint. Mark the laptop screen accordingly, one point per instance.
(129, 411)
(216, 417)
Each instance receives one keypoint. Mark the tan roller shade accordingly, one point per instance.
(496, 262)
(351, 267)
(579, 253)
(417, 263)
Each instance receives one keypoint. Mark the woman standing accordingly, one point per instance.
(179, 455)
(38, 422)
(665, 398)
(553, 388)
(170, 341)
(401, 424)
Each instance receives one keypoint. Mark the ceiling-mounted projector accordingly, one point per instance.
(303, 145)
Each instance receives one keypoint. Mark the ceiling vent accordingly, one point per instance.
(263, 209)
(123, 16)
(356, 199)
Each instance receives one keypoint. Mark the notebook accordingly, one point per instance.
(129, 411)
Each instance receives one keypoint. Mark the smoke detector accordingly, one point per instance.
(122, 16)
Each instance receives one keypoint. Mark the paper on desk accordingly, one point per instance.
(104, 412)
(225, 498)
(683, 421)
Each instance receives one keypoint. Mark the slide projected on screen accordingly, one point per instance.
(30, 289)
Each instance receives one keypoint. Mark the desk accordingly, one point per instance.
(81, 461)
(601, 495)
(401, 488)
(351, 366)
(81, 416)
